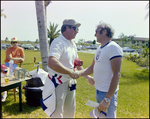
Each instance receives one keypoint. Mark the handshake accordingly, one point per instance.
(74, 74)
(77, 73)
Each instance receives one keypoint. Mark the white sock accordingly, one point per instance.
(5, 93)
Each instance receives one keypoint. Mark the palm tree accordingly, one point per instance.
(41, 22)
(124, 38)
(52, 33)
(3, 14)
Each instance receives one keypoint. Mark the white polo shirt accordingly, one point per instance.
(102, 71)
(65, 51)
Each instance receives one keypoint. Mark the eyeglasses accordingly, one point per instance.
(75, 28)
(97, 30)
(14, 42)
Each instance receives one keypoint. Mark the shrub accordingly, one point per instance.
(143, 62)
(131, 57)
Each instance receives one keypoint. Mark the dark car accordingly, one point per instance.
(27, 47)
(127, 49)
(79, 47)
(37, 46)
(23, 46)
(19, 45)
(93, 47)
(3, 46)
(7, 45)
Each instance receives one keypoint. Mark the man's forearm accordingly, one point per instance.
(58, 67)
(87, 71)
(116, 68)
(84, 72)
(21, 59)
(54, 64)
(17, 59)
(113, 86)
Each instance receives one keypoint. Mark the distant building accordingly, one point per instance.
(137, 40)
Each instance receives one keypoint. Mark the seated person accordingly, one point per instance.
(16, 54)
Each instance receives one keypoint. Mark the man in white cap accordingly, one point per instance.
(62, 54)
(16, 54)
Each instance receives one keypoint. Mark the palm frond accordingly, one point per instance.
(52, 31)
(147, 7)
(2, 13)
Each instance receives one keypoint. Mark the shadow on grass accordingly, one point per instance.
(138, 77)
(14, 108)
(32, 50)
(143, 74)
(36, 50)
(27, 64)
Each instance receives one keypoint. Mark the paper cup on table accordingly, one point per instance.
(6, 79)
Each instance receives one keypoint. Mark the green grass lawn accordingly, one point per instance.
(133, 95)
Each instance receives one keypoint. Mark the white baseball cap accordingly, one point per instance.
(95, 113)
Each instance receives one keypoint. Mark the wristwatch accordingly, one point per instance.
(107, 99)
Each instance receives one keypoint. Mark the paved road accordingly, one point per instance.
(93, 52)
(88, 51)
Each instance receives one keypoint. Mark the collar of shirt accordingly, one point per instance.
(69, 41)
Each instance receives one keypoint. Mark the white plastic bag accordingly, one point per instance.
(11, 68)
(41, 74)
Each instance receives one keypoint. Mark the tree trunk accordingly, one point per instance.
(42, 30)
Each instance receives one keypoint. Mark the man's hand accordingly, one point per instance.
(91, 81)
(21, 60)
(103, 106)
(74, 75)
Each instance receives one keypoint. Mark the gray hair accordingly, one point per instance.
(110, 30)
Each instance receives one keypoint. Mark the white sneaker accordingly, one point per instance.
(17, 90)
(4, 96)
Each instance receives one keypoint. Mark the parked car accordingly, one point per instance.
(27, 47)
(127, 49)
(84, 47)
(3, 46)
(37, 46)
(7, 45)
(139, 50)
(23, 46)
(93, 47)
(19, 45)
(79, 47)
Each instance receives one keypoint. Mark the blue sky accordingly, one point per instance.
(124, 16)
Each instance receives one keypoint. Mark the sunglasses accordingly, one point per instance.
(14, 42)
(75, 28)
(97, 30)
(5, 71)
